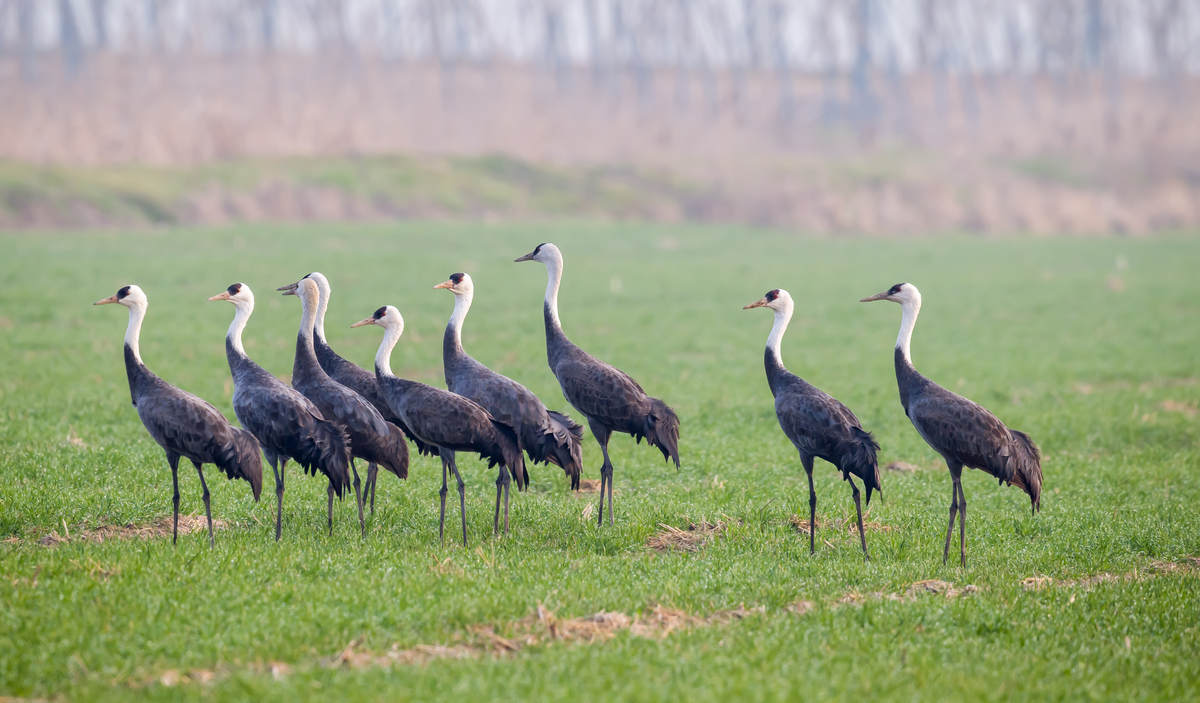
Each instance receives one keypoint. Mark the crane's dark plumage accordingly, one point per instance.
(817, 423)
(286, 424)
(545, 435)
(184, 425)
(607, 396)
(963, 432)
(371, 437)
(356, 379)
(440, 418)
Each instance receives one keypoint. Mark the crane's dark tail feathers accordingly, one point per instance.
(327, 449)
(560, 444)
(508, 452)
(858, 458)
(243, 459)
(395, 457)
(1027, 468)
(661, 428)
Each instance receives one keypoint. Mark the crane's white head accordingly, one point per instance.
(238, 293)
(545, 252)
(459, 284)
(903, 293)
(778, 300)
(387, 317)
(130, 296)
(306, 289)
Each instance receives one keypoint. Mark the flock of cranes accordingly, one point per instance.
(335, 412)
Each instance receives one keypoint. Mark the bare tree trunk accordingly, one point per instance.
(68, 38)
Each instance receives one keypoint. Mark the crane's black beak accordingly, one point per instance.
(527, 257)
(289, 289)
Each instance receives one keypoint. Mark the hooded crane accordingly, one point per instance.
(181, 423)
(287, 425)
(963, 432)
(545, 435)
(355, 378)
(445, 420)
(607, 396)
(371, 437)
(816, 422)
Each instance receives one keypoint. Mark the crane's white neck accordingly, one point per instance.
(462, 303)
(909, 309)
(782, 318)
(383, 357)
(324, 291)
(241, 316)
(554, 270)
(309, 304)
(133, 332)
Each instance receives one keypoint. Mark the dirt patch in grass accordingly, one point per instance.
(159, 528)
(1175, 406)
(847, 524)
(1184, 564)
(591, 485)
(905, 467)
(696, 536)
(915, 590)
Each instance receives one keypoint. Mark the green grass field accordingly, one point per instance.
(1090, 345)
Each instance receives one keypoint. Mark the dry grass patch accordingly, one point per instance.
(159, 528)
(915, 590)
(904, 467)
(695, 537)
(1175, 406)
(845, 524)
(1187, 564)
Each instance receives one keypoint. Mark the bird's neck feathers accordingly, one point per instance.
(240, 317)
(775, 338)
(909, 310)
(462, 303)
(383, 357)
(322, 307)
(133, 331)
(554, 271)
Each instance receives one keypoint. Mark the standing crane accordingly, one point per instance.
(445, 420)
(610, 399)
(371, 437)
(355, 378)
(545, 435)
(963, 432)
(286, 424)
(183, 424)
(817, 423)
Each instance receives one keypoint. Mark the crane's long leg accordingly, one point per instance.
(329, 508)
(207, 507)
(358, 498)
(277, 469)
(372, 473)
(962, 522)
(173, 460)
(442, 493)
(462, 500)
(862, 537)
(807, 461)
(955, 471)
(507, 484)
(602, 433)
